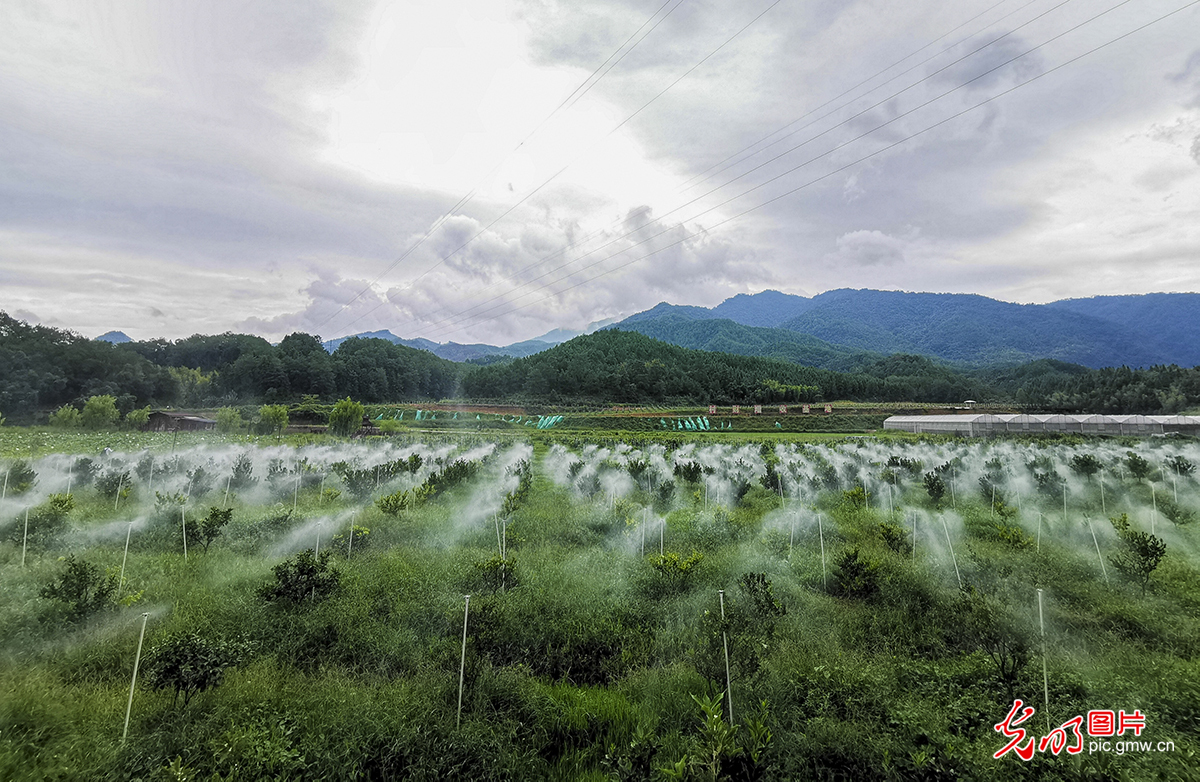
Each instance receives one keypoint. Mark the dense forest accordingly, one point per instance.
(43, 368)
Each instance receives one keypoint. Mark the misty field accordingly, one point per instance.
(872, 606)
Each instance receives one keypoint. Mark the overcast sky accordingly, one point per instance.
(170, 168)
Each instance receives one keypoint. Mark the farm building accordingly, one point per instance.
(163, 421)
(979, 424)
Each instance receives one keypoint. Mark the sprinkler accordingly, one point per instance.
(125, 556)
(1045, 677)
(792, 538)
(183, 521)
(120, 484)
(317, 550)
(228, 481)
(350, 542)
(1154, 516)
(137, 658)
(1103, 569)
(1039, 535)
(914, 539)
(824, 572)
(725, 643)
(662, 527)
(462, 664)
(150, 488)
(25, 538)
(953, 558)
(1103, 504)
(4, 494)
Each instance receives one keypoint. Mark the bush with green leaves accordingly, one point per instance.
(1138, 467)
(230, 421)
(1180, 466)
(114, 482)
(138, 418)
(209, 528)
(81, 589)
(854, 575)
(19, 478)
(100, 412)
(242, 476)
(188, 664)
(346, 417)
(393, 504)
(987, 624)
(896, 538)
(44, 526)
(1141, 553)
(718, 752)
(307, 577)
(66, 417)
(272, 419)
(935, 487)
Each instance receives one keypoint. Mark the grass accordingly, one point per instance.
(585, 666)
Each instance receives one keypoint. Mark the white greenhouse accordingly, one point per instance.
(978, 424)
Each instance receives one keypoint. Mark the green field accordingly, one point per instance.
(873, 631)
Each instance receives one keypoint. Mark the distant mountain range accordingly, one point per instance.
(1136, 331)
(847, 329)
(454, 351)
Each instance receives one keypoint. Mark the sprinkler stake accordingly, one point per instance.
(137, 658)
(462, 664)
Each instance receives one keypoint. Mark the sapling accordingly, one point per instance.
(137, 658)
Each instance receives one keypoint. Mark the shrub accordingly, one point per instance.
(230, 421)
(935, 487)
(138, 418)
(985, 624)
(1138, 467)
(304, 577)
(20, 477)
(100, 412)
(1141, 553)
(82, 589)
(66, 417)
(896, 538)
(210, 526)
(114, 482)
(392, 504)
(855, 576)
(188, 664)
(243, 473)
(346, 417)
(272, 419)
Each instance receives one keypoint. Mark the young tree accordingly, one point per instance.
(66, 417)
(1086, 464)
(138, 418)
(346, 418)
(274, 418)
(1138, 466)
(188, 664)
(82, 588)
(1141, 553)
(935, 487)
(304, 577)
(210, 526)
(229, 420)
(100, 412)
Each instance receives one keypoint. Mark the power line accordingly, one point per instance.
(662, 217)
(863, 158)
(798, 146)
(537, 189)
(586, 85)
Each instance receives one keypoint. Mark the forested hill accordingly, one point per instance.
(1112, 331)
(621, 366)
(725, 336)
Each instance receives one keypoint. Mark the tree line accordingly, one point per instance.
(43, 369)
